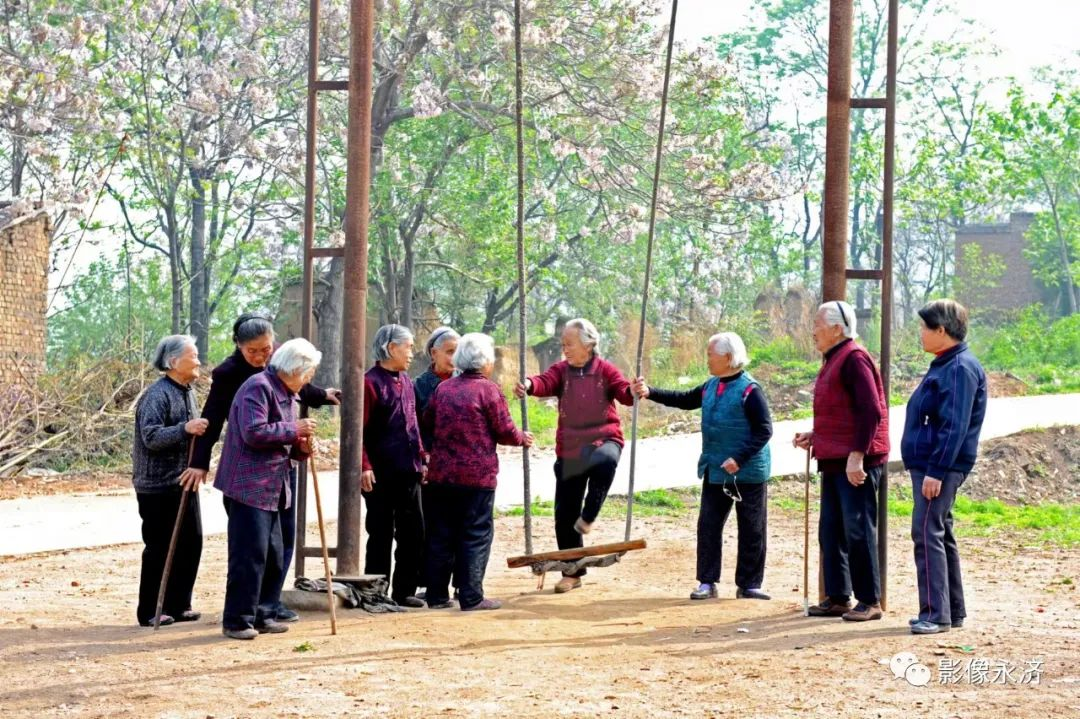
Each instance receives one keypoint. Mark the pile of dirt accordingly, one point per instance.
(1029, 467)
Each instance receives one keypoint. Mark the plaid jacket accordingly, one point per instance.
(254, 466)
(160, 450)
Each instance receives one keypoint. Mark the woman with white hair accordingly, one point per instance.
(439, 348)
(589, 440)
(165, 425)
(850, 440)
(394, 463)
(264, 438)
(468, 417)
(734, 466)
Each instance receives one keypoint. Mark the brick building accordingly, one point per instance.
(24, 275)
(1017, 287)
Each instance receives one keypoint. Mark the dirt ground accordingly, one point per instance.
(629, 643)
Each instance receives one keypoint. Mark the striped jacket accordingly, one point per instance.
(254, 466)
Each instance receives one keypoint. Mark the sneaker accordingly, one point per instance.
(565, 584)
(271, 627)
(485, 604)
(188, 615)
(447, 604)
(863, 613)
(582, 527)
(751, 593)
(928, 628)
(705, 591)
(956, 624)
(245, 633)
(411, 602)
(284, 614)
(829, 608)
(166, 620)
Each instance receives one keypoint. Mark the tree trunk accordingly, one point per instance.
(174, 271)
(199, 323)
(328, 306)
(1066, 268)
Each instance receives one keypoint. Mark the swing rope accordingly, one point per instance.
(522, 348)
(648, 266)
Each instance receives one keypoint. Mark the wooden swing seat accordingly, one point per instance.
(597, 555)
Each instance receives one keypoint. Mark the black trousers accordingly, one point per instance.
(581, 487)
(256, 556)
(427, 499)
(752, 515)
(288, 533)
(158, 512)
(847, 533)
(394, 513)
(937, 558)
(460, 528)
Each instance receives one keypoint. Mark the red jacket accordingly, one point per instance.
(835, 426)
(468, 416)
(587, 396)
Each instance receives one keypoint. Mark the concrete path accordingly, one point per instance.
(62, 522)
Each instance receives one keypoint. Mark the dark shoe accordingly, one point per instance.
(957, 623)
(271, 627)
(928, 628)
(411, 602)
(705, 590)
(485, 604)
(863, 613)
(456, 593)
(284, 614)
(245, 633)
(422, 594)
(741, 593)
(166, 620)
(188, 615)
(829, 608)
(446, 604)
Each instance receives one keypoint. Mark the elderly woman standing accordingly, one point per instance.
(440, 348)
(394, 463)
(939, 446)
(589, 440)
(165, 424)
(253, 336)
(264, 436)
(468, 417)
(850, 441)
(735, 464)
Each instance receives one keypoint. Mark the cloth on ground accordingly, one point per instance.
(371, 597)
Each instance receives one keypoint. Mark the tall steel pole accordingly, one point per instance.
(353, 336)
(837, 153)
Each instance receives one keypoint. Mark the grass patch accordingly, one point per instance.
(543, 419)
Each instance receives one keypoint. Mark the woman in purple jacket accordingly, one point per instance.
(468, 416)
(264, 436)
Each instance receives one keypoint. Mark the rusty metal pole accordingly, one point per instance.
(887, 282)
(837, 153)
(357, 185)
(309, 245)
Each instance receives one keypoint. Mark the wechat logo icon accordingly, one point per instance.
(905, 665)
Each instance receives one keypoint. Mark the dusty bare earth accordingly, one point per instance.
(628, 644)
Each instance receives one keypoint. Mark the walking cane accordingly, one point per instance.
(172, 543)
(806, 540)
(322, 538)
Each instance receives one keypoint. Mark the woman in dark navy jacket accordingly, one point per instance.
(941, 439)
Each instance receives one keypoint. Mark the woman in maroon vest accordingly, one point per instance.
(589, 440)
(394, 463)
(850, 441)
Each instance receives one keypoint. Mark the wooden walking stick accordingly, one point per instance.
(172, 543)
(322, 538)
(806, 540)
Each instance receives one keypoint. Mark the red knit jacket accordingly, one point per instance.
(587, 397)
(834, 410)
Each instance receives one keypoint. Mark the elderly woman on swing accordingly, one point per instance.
(589, 439)
(734, 465)
(468, 417)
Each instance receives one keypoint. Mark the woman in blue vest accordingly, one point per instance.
(734, 464)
